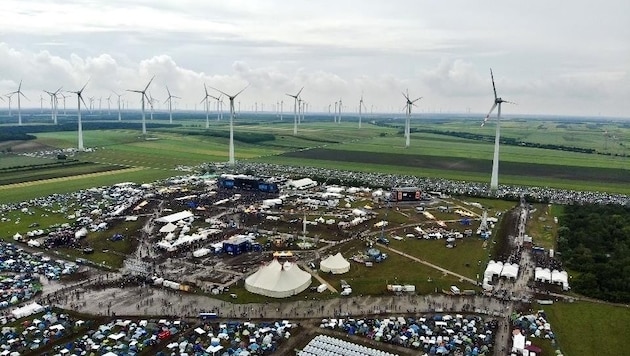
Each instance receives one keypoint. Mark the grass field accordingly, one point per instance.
(10, 160)
(30, 190)
(584, 329)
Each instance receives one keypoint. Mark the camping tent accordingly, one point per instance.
(335, 264)
(278, 280)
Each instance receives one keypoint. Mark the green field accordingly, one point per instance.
(430, 154)
(584, 328)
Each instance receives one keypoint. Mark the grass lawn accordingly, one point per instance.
(463, 259)
(19, 221)
(541, 226)
(12, 160)
(584, 328)
(107, 252)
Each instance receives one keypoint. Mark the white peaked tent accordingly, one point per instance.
(335, 264)
(170, 227)
(278, 280)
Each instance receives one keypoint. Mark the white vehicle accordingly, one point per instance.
(346, 291)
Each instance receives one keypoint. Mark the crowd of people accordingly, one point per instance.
(385, 180)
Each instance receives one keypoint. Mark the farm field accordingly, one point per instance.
(10, 161)
(29, 190)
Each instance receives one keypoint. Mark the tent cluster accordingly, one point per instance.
(30, 335)
(234, 338)
(499, 270)
(16, 260)
(17, 288)
(121, 337)
(335, 264)
(278, 280)
(544, 275)
(434, 334)
(323, 345)
(534, 325)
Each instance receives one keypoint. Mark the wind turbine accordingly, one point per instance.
(231, 97)
(152, 101)
(295, 114)
(53, 104)
(494, 179)
(144, 95)
(361, 106)
(281, 109)
(41, 104)
(109, 104)
(64, 103)
(335, 116)
(100, 102)
(206, 99)
(408, 105)
(18, 92)
(339, 119)
(79, 100)
(170, 104)
(119, 114)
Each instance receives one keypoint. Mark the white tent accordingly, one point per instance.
(170, 227)
(175, 217)
(335, 264)
(278, 280)
(510, 270)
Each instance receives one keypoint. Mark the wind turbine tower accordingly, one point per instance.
(494, 179)
(206, 99)
(170, 104)
(295, 108)
(409, 104)
(144, 95)
(79, 100)
(119, 114)
(339, 118)
(231, 97)
(109, 104)
(281, 109)
(19, 93)
(361, 106)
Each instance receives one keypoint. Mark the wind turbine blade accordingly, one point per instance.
(20, 86)
(416, 100)
(20, 93)
(84, 104)
(298, 93)
(489, 113)
(293, 96)
(147, 87)
(242, 90)
(169, 93)
(86, 83)
(220, 91)
(204, 99)
(510, 102)
(135, 91)
(176, 97)
(494, 89)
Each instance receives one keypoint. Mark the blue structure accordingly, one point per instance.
(237, 246)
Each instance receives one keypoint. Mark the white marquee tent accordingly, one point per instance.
(278, 280)
(335, 264)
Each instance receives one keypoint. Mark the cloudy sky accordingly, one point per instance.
(564, 57)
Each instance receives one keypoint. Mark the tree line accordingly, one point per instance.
(594, 241)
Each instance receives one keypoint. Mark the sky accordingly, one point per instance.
(556, 57)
